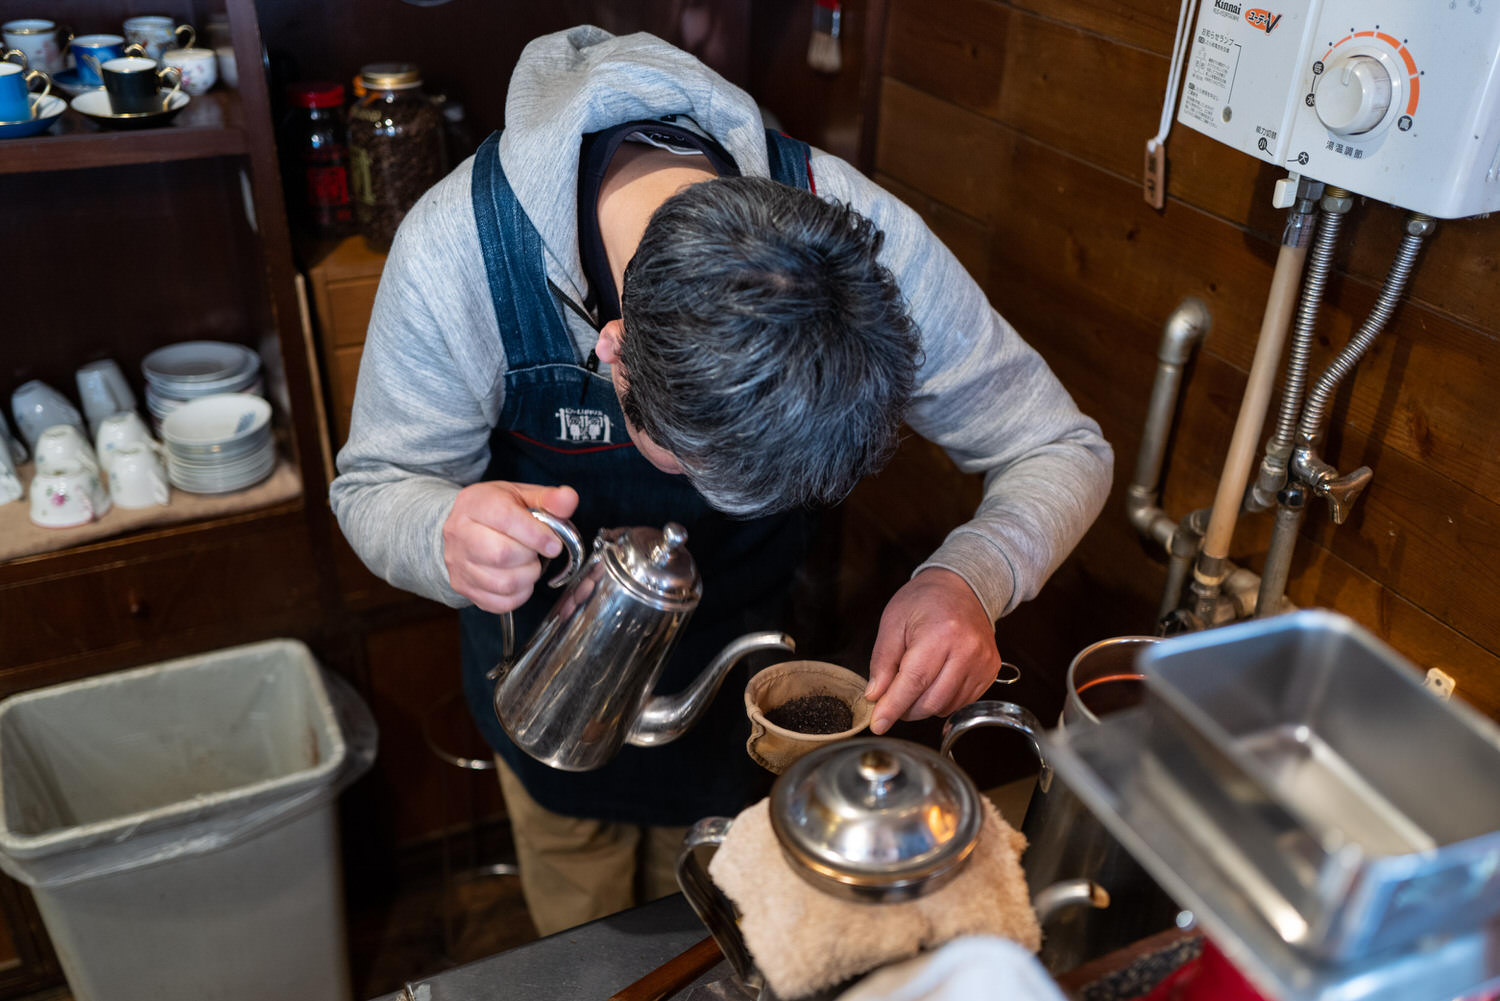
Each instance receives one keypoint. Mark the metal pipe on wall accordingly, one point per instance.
(1335, 204)
(1212, 568)
(1183, 331)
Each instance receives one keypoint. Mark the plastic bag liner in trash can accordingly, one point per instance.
(176, 823)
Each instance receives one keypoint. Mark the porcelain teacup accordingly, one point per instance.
(63, 496)
(157, 33)
(13, 448)
(10, 480)
(62, 444)
(36, 407)
(103, 390)
(133, 84)
(92, 51)
(136, 477)
(199, 68)
(120, 431)
(40, 40)
(17, 101)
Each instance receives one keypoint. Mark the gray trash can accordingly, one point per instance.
(176, 824)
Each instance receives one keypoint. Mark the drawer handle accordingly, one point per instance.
(137, 606)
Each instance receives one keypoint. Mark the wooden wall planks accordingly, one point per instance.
(1055, 102)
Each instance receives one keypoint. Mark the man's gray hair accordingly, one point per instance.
(765, 346)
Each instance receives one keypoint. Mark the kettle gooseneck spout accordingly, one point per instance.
(664, 718)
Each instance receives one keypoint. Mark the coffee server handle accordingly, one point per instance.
(995, 713)
(573, 546)
(709, 902)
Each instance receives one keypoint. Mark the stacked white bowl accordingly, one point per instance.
(190, 370)
(217, 444)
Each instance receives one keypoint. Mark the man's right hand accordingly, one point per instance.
(493, 546)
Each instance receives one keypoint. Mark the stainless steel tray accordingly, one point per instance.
(1109, 768)
(1355, 811)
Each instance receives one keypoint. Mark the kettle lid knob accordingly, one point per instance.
(673, 536)
(655, 565)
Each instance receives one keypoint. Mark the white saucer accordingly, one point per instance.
(94, 105)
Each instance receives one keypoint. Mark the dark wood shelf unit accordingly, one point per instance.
(103, 554)
(211, 125)
(134, 240)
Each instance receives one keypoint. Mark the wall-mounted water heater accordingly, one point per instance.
(1398, 100)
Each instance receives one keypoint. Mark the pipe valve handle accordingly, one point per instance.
(1343, 491)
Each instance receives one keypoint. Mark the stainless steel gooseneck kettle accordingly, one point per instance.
(582, 686)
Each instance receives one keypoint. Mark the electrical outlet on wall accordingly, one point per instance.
(1440, 684)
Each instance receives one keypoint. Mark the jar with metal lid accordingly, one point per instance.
(318, 151)
(395, 148)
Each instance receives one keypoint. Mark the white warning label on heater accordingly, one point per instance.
(1210, 77)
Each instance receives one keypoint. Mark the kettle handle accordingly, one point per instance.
(709, 902)
(573, 546)
(994, 713)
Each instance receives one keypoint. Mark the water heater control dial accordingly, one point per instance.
(1353, 94)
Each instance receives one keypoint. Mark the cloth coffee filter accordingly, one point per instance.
(774, 747)
(804, 940)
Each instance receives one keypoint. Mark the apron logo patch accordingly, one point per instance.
(583, 427)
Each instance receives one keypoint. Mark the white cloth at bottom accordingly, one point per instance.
(973, 968)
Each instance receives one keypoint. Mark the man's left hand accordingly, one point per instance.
(935, 652)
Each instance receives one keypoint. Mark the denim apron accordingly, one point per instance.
(562, 424)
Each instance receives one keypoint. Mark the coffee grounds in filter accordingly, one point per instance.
(812, 714)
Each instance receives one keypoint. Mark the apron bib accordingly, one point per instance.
(562, 424)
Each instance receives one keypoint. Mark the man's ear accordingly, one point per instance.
(610, 339)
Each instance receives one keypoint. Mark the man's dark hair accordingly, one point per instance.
(765, 346)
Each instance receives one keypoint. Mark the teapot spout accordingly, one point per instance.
(664, 718)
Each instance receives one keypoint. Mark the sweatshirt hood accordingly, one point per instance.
(584, 79)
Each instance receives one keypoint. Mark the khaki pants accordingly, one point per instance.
(575, 870)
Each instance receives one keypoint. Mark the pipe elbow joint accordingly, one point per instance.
(1187, 325)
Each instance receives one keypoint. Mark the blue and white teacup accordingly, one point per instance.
(92, 51)
(15, 91)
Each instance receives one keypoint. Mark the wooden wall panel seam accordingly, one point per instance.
(1084, 30)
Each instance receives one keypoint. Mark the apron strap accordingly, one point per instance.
(530, 328)
(791, 160)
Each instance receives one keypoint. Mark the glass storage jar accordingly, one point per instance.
(395, 148)
(319, 151)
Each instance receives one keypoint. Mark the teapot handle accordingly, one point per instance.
(994, 713)
(709, 902)
(573, 546)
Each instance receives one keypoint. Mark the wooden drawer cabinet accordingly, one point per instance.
(343, 282)
(211, 590)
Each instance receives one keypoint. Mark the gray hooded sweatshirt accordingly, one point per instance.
(431, 378)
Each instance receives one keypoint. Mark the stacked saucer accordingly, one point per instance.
(216, 444)
(191, 370)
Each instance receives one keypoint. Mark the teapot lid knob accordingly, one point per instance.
(878, 768)
(673, 536)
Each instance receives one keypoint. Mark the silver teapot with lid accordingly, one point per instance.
(582, 686)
